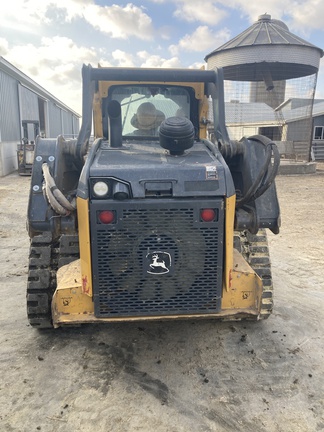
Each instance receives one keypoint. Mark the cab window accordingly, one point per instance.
(145, 107)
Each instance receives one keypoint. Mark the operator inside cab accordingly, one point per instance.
(147, 120)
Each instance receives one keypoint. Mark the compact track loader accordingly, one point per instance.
(151, 220)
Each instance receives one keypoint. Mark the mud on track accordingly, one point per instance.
(175, 376)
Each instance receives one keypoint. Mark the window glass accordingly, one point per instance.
(145, 107)
(318, 133)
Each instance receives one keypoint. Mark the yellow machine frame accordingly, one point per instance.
(72, 301)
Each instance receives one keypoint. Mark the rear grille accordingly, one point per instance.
(158, 259)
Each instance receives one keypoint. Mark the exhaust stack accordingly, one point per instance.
(115, 124)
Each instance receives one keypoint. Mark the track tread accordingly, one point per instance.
(45, 257)
(255, 250)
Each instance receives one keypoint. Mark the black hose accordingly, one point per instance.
(266, 174)
(273, 172)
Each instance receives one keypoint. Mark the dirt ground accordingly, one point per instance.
(175, 376)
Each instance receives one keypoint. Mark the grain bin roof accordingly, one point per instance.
(268, 42)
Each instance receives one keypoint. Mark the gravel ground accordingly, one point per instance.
(172, 376)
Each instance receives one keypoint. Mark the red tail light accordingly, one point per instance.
(107, 217)
(208, 215)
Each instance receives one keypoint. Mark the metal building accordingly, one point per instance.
(28, 110)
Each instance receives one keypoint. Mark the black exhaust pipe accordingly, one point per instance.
(115, 124)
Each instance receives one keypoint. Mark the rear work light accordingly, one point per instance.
(106, 216)
(208, 215)
(100, 189)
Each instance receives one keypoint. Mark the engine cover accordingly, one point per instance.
(144, 167)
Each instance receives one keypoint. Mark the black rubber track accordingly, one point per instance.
(45, 258)
(255, 250)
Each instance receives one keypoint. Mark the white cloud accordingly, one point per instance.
(140, 59)
(56, 65)
(123, 59)
(105, 63)
(308, 15)
(115, 20)
(202, 39)
(4, 46)
(198, 65)
(253, 8)
(120, 22)
(51, 51)
(302, 15)
(143, 55)
(131, 20)
(200, 10)
(156, 61)
(34, 13)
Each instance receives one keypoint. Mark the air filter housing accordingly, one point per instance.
(177, 135)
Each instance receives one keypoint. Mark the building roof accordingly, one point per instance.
(259, 113)
(318, 108)
(25, 80)
(249, 113)
(301, 112)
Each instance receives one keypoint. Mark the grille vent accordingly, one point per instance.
(186, 277)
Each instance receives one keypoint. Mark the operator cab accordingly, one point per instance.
(145, 107)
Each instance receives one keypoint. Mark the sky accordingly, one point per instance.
(49, 40)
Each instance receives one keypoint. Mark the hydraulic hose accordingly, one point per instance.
(266, 174)
(59, 203)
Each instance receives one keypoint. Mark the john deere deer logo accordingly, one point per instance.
(159, 262)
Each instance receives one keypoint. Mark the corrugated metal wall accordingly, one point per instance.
(70, 124)
(9, 109)
(76, 125)
(296, 130)
(55, 122)
(28, 104)
(14, 96)
(61, 122)
(21, 107)
(318, 144)
(318, 121)
(67, 123)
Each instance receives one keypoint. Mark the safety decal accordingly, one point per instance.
(211, 172)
